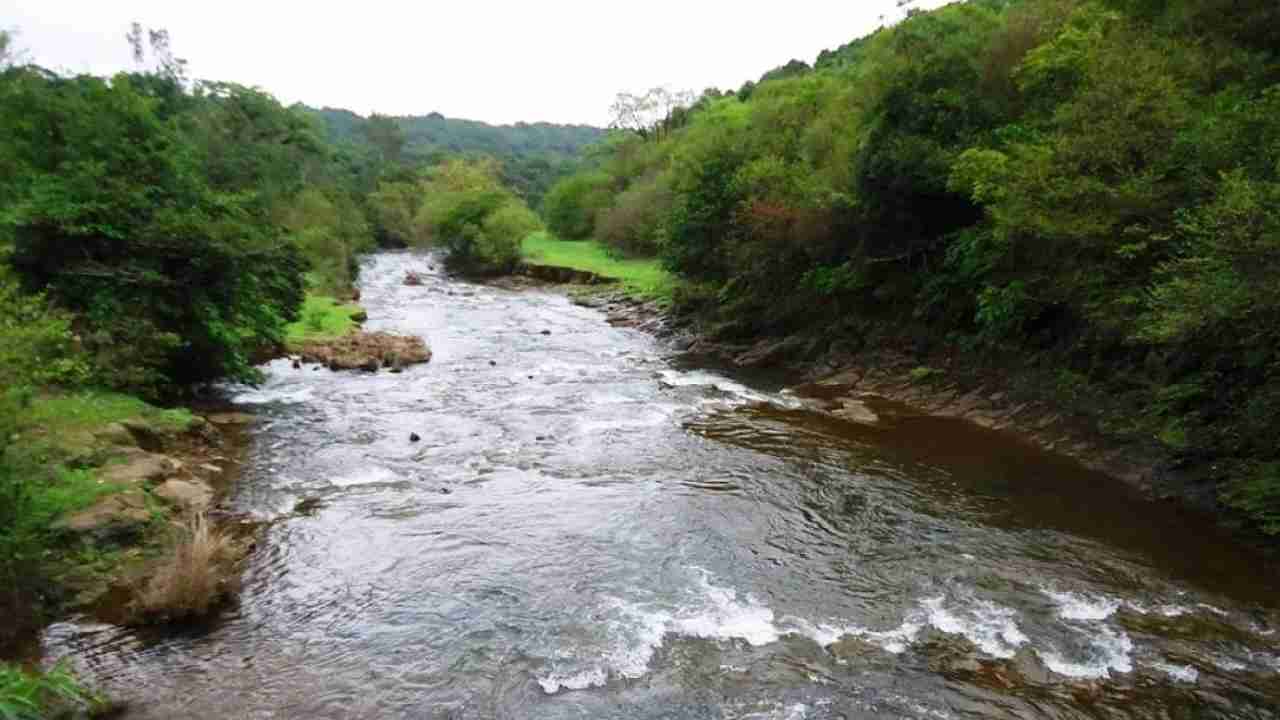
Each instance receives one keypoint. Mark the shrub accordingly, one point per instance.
(479, 223)
(199, 573)
(121, 219)
(572, 204)
(634, 224)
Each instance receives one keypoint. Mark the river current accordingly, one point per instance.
(592, 527)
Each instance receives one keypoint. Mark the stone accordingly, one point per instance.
(207, 469)
(297, 364)
(140, 468)
(413, 437)
(116, 434)
(147, 437)
(360, 350)
(122, 514)
(546, 332)
(360, 316)
(855, 410)
(187, 494)
(851, 646)
(232, 418)
(1027, 664)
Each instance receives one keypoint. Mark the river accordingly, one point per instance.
(590, 527)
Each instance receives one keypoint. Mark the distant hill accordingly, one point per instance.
(533, 155)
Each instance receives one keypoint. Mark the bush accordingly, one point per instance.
(200, 572)
(634, 224)
(479, 223)
(120, 218)
(572, 204)
(37, 345)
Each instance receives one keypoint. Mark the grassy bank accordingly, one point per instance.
(323, 318)
(58, 452)
(641, 277)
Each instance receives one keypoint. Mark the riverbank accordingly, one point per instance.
(120, 477)
(1045, 406)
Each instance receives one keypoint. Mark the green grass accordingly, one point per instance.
(322, 318)
(642, 277)
(53, 429)
(34, 696)
(87, 410)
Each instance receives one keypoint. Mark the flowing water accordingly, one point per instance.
(590, 529)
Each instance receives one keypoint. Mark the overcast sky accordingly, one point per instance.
(557, 60)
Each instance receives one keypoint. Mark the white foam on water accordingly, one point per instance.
(1077, 606)
(554, 683)
(365, 476)
(1215, 610)
(985, 624)
(1228, 664)
(1112, 650)
(738, 393)
(266, 396)
(990, 627)
(1180, 673)
(714, 613)
(894, 640)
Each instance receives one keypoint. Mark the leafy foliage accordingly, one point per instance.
(478, 222)
(1095, 179)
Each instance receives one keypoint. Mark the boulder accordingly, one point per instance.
(148, 438)
(116, 434)
(140, 468)
(360, 316)
(187, 494)
(113, 516)
(774, 353)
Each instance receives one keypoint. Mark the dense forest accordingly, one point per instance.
(1088, 188)
(531, 156)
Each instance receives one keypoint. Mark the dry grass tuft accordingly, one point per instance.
(200, 572)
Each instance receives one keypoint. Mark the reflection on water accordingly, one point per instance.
(589, 529)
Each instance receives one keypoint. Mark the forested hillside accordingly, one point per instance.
(532, 156)
(1086, 188)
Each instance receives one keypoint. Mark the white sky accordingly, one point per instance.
(555, 60)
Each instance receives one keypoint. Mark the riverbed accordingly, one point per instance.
(590, 526)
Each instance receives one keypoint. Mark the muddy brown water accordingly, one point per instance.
(591, 528)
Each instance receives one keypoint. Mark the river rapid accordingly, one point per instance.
(591, 527)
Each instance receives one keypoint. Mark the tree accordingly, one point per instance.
(649, 115)
(386, 135)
